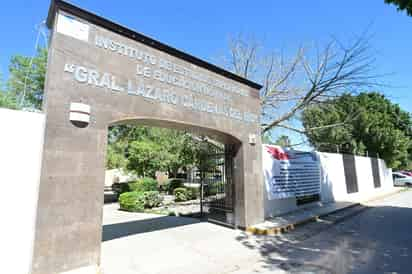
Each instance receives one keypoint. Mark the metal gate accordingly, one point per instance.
(217, 195)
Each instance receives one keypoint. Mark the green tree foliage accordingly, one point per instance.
(29, 75)
(378, 127)
(143, 185)
(145, 157)
(146, 150)
(117, 146)
(6, 99)
(283, 141)
(115, 156)
(267, 138)
(402, 5)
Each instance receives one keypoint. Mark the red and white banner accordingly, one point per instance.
(290, 173)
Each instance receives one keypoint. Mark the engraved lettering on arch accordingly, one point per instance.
(159, 93)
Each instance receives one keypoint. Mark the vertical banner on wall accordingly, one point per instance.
(290, 173)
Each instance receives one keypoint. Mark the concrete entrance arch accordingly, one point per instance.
(100, 72)
(220, 136)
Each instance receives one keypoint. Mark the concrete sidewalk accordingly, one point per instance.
(287, 222)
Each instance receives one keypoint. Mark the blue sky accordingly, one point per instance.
(202, 28)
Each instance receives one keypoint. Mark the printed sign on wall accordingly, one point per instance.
(290, 173)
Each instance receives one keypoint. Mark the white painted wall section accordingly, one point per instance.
(333, 185)
(21, 143)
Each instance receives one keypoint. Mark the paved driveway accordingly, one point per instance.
(378, 240)
(148, 243)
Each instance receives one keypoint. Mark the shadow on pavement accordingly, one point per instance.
(119, 230)
(377, 240)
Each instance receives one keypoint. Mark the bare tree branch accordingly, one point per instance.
(309, 77)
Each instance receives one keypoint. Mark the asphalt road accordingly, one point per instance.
(375, 240)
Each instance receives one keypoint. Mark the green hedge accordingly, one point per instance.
(181, 194)
(138, 201)
(132, 201)
(143, 185)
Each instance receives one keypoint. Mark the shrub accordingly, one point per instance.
(181, 194)
(173, 184)
(134, 186)
(193, 192)
(132, 201)
(120, 188)
(137, 201)
(152, 199)
(149, 184)
(143, 185)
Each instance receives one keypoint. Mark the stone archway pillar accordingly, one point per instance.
(69, 214)
(248, 185)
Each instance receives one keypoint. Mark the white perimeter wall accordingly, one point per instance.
(21, 142)
(333, 184)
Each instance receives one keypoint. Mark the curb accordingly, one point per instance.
(289, 227)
